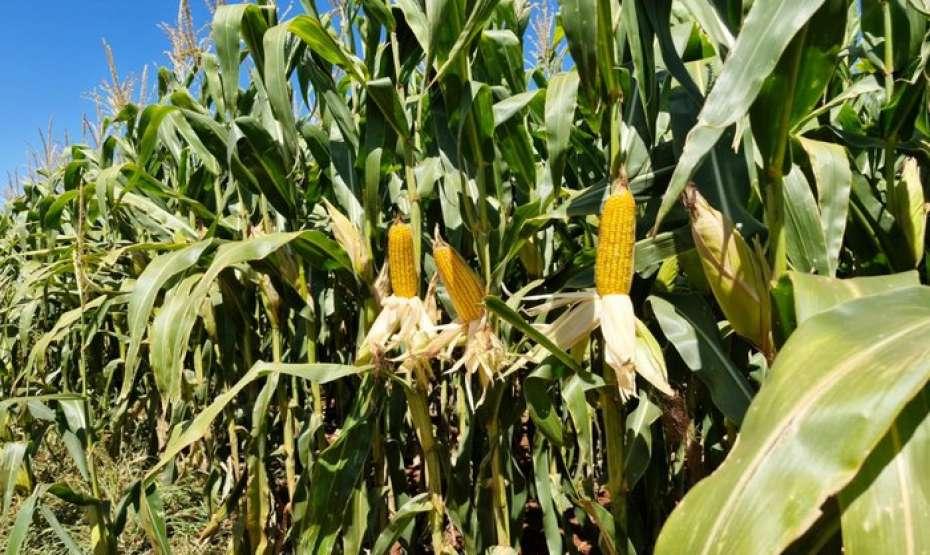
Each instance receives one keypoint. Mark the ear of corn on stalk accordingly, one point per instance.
(401, 263)
(463, 285)
(352, 241)
(909, 208)
(613, 270)
(738, 276)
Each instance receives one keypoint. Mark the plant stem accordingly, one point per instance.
(611, 403)
(498, 487)
(419, 413)
(290, 465)
(775, 222)
(614, 431)
(889, 51)
(304, 289)
(102, 543)
(775, 194)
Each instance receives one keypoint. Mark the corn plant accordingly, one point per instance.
(484, 276)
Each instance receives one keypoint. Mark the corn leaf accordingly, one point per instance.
(885, 507)
(690, 327)
(766, 32)
(797, 445)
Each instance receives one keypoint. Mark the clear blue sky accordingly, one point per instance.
(52, 55)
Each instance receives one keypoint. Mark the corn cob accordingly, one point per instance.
(613, 270)
(464, 287)
(401, 264)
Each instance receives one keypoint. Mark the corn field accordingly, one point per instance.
(484, 276)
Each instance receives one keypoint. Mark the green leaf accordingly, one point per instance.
(540, 406)
(887, 506)
(11, 461)
(7, 403)
(322, 251)
(560, 115)
(200, 425)
(816, 294)
(811, 427)
(834, 183)
(640, 39)
(149, 123)
(167, 223)
(807, 247)
(253, 27)
(512, 105)
(263, 165)
(60, 531)
(659, 13)
(310, 30)
(61, 328)
(543, 482)
(477, 19)
(574, 389)
(691, 328)
(152, 519)
(52, 216)
(383, 92)
(380, 11)
(334, 476)
(506, 313)
(225, 34)
(17, 534)
(416, 505)
(193, 140)
(638, 447)
(797, 84)
(707, 17)
(142, 299)
(579, 19)
(417, 22)
(653, 250)
(923, 6)
(276, 83)
(766, 32)
(168, 339)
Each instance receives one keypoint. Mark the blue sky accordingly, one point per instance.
(52, 55)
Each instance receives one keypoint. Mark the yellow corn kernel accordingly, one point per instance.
(401, 264)
(464, 287)
(613, 270)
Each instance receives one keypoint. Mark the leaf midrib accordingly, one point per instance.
(805, 403)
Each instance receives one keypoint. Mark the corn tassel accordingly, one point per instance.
(613, 270)
(401, 263)
(463, 285)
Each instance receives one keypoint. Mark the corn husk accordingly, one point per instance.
(910, 209)
(737, 275)
(350, 238)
